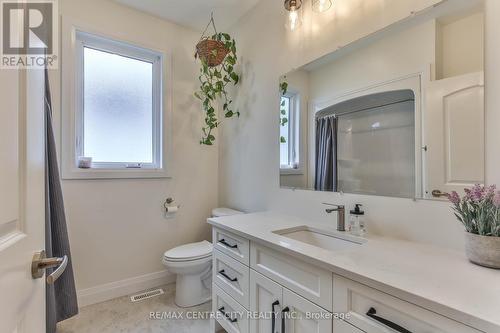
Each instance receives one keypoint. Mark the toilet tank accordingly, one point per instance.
(220, 212)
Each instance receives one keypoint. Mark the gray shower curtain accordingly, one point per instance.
(326, 154)
(60, 300)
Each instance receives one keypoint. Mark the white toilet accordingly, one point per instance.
(193, 265)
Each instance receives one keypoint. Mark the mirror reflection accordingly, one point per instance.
(399, 114)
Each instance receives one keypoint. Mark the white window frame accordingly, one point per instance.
(72, 117)
(293, 134)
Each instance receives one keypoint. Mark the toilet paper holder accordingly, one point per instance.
(167, 204)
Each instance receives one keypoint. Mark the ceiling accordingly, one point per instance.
(194, 14)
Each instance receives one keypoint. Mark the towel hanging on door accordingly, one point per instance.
(61, 302)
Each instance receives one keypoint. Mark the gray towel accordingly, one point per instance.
(61, 299)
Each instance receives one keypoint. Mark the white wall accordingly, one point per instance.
(249, 180)
(462, 46)
(395, 56)
(116, 227)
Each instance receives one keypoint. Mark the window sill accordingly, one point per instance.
(290, 171)
(95, 173)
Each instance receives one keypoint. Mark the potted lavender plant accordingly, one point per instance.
(479, 212)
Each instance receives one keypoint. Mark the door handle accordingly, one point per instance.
(283, 318)
(223, 242)
(228, 317)
(227, 277)
(40, 263)
(372, 314)
(273, 319)
(439, 194)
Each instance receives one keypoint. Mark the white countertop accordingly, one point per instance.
(437, 279)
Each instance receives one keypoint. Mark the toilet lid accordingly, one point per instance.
(190, 251)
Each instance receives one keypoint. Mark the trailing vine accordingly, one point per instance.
(214, 81)
(283, 116)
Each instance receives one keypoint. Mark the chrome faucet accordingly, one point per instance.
(340, 209)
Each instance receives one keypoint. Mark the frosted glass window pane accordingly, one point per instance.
(285, 133)
(118, 108)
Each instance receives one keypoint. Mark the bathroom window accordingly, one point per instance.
(289, 133)
(118, 109)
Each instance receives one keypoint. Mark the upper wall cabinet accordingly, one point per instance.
(399, 113)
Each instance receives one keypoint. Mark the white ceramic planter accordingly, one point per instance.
(483, 250)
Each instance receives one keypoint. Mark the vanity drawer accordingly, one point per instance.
(310, 282)
(232, 276)
(340, 326)
(234, 246)
(230, 315)
(362, 303)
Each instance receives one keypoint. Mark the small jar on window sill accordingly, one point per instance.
(85, 162)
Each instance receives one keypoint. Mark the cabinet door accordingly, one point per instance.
(301, 316)
(265, 295)
(454, 133)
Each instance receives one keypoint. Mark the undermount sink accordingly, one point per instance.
(328, 240)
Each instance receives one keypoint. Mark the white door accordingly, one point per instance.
(22, 301)
(265, 298)
(302, 316)
(340, 326)
(454, 134)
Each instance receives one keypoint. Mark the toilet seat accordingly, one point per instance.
(189, 252)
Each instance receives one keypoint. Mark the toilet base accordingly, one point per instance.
(190, 291)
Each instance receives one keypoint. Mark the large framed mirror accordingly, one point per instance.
(399, 113)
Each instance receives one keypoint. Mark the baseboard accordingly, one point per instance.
(105, 292)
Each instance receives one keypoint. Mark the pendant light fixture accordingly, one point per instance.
(321, 6)
(294, 19)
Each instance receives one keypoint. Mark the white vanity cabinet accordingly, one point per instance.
(340, 326)
(232, 276)
(271, 289)
(266, 297)
(234, 246)
(306, 280)
(285, 310)
(230, 314)
(374, 311)
(304, 316)
(260, 290)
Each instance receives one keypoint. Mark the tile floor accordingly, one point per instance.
(121, 315)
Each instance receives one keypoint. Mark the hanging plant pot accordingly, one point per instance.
(217, 54)
(212, 52)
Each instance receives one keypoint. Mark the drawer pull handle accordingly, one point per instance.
(223, 242)
(273, 314)
(221, 310)
(372, 314)
(223, 273)
(285, 310)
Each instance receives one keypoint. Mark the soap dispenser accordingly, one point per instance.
(356, 221)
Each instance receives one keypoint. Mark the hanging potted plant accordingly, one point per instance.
(217, 55)
(283, 113)
(479, 212)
